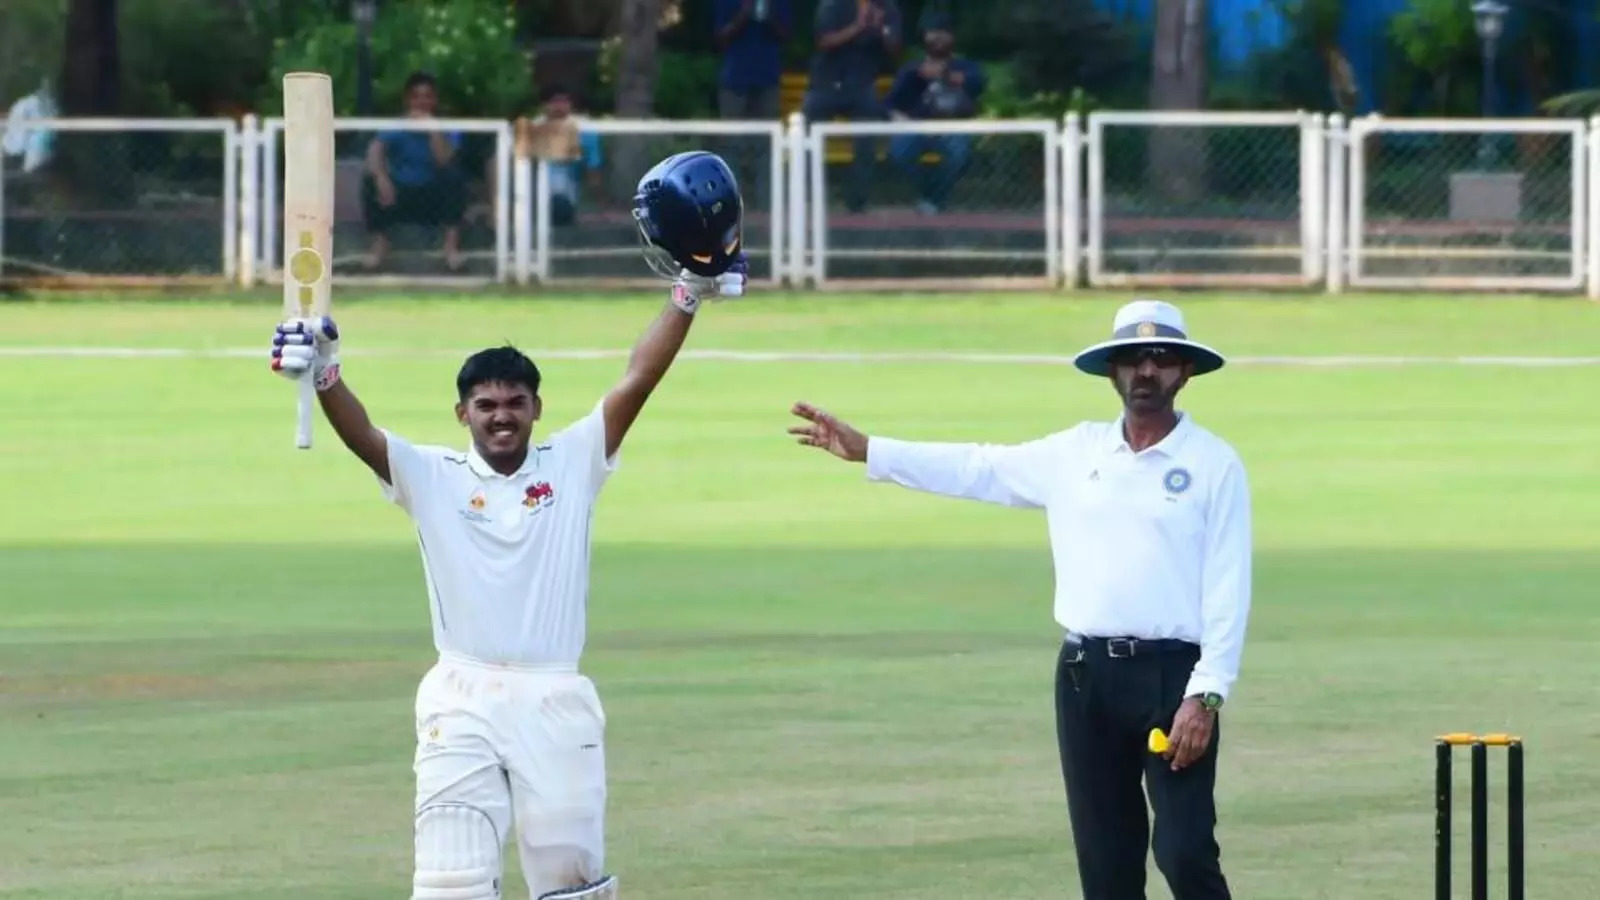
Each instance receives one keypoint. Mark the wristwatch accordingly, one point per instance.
(1211, 700)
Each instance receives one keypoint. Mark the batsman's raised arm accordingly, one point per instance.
(309, 348)
(652, 356)
(690, 215)
(1006, 474)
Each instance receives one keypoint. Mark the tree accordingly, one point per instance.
(1055, 46)
(91, 71)
(90, 166)
(1177, 157)
(636, 86)
(636, 75)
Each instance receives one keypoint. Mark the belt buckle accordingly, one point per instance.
(1121, 648)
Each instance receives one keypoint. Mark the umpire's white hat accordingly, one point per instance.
(1148, 323)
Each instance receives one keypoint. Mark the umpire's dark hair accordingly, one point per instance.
(503, 365)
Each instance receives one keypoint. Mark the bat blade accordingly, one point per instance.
(308, 173)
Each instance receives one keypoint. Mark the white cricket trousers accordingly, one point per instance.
(524, 746)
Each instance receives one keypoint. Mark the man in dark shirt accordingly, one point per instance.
(940, 86)
(855, 40)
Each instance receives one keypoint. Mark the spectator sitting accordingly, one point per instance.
(570, 153)
(412, 177)
(941, 86)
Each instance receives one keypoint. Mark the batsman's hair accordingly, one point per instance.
(497, 365)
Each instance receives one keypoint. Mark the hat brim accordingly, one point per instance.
(1096, 360)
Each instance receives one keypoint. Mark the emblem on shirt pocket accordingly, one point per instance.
(428, 733)
(1176, 481)
(539, 495)
(475, 507)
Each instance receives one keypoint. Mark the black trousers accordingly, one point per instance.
(1105, 708)
(856, 103)
(440, 202)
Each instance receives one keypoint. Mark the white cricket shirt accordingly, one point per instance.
(506, 557)
(1154, 544)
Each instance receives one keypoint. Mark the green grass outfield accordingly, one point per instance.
(817, 687)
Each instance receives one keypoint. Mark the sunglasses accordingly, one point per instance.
(1163, 357)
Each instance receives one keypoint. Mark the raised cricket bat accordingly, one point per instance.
(307, 212)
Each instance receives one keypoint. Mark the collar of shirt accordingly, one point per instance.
(1116, 442)
(481, 468)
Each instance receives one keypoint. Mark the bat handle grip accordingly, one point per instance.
(308, 397)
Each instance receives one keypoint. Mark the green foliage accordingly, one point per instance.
(1576, 104)
(179, 57)
(468, 45)
(1437, 45)
(1054, 47)
(283, 18)
(686, 82)
(187, 57)
(602, 91)
(30, 46)
(1433, 34)
(1292, 76)
(1006, 98)
(686, 85)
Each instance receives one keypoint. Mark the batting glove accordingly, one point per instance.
(690, 289)
(300, 346)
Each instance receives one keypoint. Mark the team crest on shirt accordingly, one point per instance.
(1176, 481)
(475, 506)
(539, 495)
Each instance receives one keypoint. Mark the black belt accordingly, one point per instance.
(1127, 647)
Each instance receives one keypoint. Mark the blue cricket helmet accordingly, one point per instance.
(690, 215)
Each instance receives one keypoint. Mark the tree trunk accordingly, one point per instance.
(636, 78)
(1177, 160)
(91, 65)
(91, 168)
(636, 88)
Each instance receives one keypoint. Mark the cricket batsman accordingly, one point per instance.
(509, 732)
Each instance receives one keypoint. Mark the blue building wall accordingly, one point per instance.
(1242, 28)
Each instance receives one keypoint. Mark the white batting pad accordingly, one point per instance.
(604, 889)
(458, 855)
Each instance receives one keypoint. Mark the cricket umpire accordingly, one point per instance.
(1150, 529)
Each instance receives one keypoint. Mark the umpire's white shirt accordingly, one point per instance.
(1154, 544)
(506, 556)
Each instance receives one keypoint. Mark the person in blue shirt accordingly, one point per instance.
(412, 177)
(751, 34)
(939, 86)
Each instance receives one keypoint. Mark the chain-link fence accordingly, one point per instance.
(1203, 198)
(945, 202)
(415, 200)
(580, 225)
(102, 201)
(1156, 198)
(1466, 203)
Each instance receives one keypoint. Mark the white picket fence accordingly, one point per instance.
(1116, 199)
